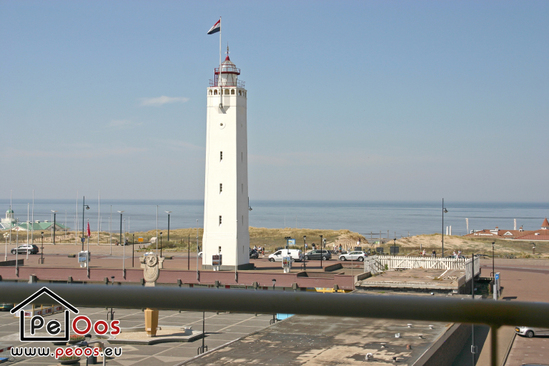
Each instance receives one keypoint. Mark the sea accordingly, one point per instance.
(373, 219)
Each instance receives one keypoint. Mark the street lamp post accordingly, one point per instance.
(305, 252)
(123, 246)
(198, 274)
(17, 254)
(161, 243)
(443, 212)
(54, 214)
(493, 274)
(6, 235)
(42, 250)
(168, 237)
(321, 236)
(84, 206)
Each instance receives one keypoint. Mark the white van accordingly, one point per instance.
(295, 254)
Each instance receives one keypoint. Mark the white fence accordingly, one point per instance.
(380, 263)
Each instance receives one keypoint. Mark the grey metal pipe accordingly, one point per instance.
(493, 313)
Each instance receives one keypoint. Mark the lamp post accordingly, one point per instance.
(474, 348)
(161, 243)
(123, 246)
(42, 250)
(305, 248)
(198, 274)
(54, 214)
(321, 236)
(443, 212)
(493, 274)
(84, 206)
(168, 237)
(17, 254)
(133, 247)
(6, 235)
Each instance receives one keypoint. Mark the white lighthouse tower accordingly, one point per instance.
(226, 174)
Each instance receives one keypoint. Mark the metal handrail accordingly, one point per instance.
(457, 310)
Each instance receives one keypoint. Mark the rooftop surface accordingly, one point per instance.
(417, 278)
(321, 340)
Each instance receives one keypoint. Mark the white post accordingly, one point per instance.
(110, 232)
(28, 215)
(32, 218)
(98, 216)
(76, 220)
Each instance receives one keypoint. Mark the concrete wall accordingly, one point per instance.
(184, 278)
(446, 348)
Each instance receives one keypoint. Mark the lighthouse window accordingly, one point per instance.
(227, 91)
(215, 92)
(210, 92)
(220, 219)
(240, 92)
(221, 186)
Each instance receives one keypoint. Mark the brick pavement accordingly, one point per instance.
(523, 280)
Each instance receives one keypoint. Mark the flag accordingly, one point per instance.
(215, 28)
(89, 233)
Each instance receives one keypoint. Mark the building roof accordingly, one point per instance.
(541, 234)
(38, 226)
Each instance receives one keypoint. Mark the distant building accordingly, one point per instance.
(10, 222)
(39, 226)
(541, 234)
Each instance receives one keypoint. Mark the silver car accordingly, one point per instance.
(531, 331)
(353, 256)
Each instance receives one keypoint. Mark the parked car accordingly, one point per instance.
(26, 248)
(295, 254)
(531, 332)
(6, 307)
(317, 253)
(253, 254)
(353, 256)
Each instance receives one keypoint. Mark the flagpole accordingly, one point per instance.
(88, 250)
(220, 69)
(98, 215)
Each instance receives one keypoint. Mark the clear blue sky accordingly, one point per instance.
(354, 100)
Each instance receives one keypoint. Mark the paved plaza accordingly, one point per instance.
(219, 328)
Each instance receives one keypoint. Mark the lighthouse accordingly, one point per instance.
(226, 203)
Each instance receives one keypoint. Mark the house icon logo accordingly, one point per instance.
(54, 328)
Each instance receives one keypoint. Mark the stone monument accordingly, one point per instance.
(151, 264)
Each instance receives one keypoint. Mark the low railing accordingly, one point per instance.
(378, 263)
(440, 309)
(240, 84)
